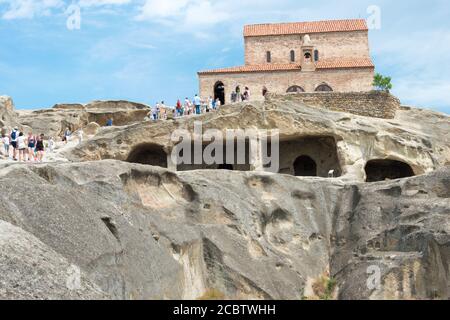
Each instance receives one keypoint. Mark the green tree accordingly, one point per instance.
(382, 83)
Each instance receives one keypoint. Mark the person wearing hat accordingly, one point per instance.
(14, 135)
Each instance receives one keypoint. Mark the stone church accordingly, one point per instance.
(315, 56)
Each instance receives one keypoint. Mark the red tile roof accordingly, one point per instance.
(346, 63)
(305, 27)
(255, 68)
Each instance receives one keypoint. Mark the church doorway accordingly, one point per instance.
(305, 166)
(219, 92)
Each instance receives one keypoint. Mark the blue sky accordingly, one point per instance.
(149, 50)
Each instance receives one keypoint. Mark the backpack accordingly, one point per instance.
(13, 135)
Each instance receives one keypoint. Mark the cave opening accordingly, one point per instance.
(309, 156)
(381, 170)
(239, 160)
(149, 154)
(305, 166)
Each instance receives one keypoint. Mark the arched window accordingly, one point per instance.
(324, 88)
(295, 89)
(292, 56)
(268, 57)
(316, 55)
(308, 56)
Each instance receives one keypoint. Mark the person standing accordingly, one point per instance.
(217, 103)
(233, 97)
(179, 108)
(51, 144)
(210, 103)
(154, 113)
(40, 148)
(5, 140)
(67, 135)
(31, 146)
(109, 122)
(197, 104)
(14, 135)
(21, 146)
(238, 94)
(246, 94)
(80, 136)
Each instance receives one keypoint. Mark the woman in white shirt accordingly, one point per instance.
(21, 146)
(5, 140)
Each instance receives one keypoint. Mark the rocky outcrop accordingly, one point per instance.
(7, 113)
(399, 230)
(419, 138)
(29, 269)
(142, 232)
(53, 122)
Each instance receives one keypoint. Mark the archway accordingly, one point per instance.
(150, 154)
(380, 170)
(219, 92)
(305, 166)
(324, 88)
(295, 89)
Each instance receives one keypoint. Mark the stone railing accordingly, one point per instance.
(375, 104)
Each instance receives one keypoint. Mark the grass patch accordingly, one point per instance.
(212, 294)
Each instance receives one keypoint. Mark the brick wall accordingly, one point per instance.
(341, 80)
(371, 104)
(330, 45)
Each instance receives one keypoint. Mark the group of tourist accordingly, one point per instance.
(237, 96)
(31, 148)
(195, 106)
(21, 147)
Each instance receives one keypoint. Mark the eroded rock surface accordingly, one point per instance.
(141, 232)
(53, 122)
(419, 138)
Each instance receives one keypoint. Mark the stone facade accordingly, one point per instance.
(340, 80)
(353, 44)
(334, 53)
(370, 104)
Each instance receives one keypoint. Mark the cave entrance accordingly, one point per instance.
(150, 154)
(239, 160)
(305, 166)
(380, 170)
(219, 92)
(309, 156)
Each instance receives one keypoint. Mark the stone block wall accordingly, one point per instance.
(354, 44)
(278, 82)
(370, 104)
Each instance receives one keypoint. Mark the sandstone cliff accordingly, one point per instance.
(419, 138)
(140, 232)
(135, 231)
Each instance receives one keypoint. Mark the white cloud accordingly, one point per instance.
(157, 9)
(98, 3)
(27, 9)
